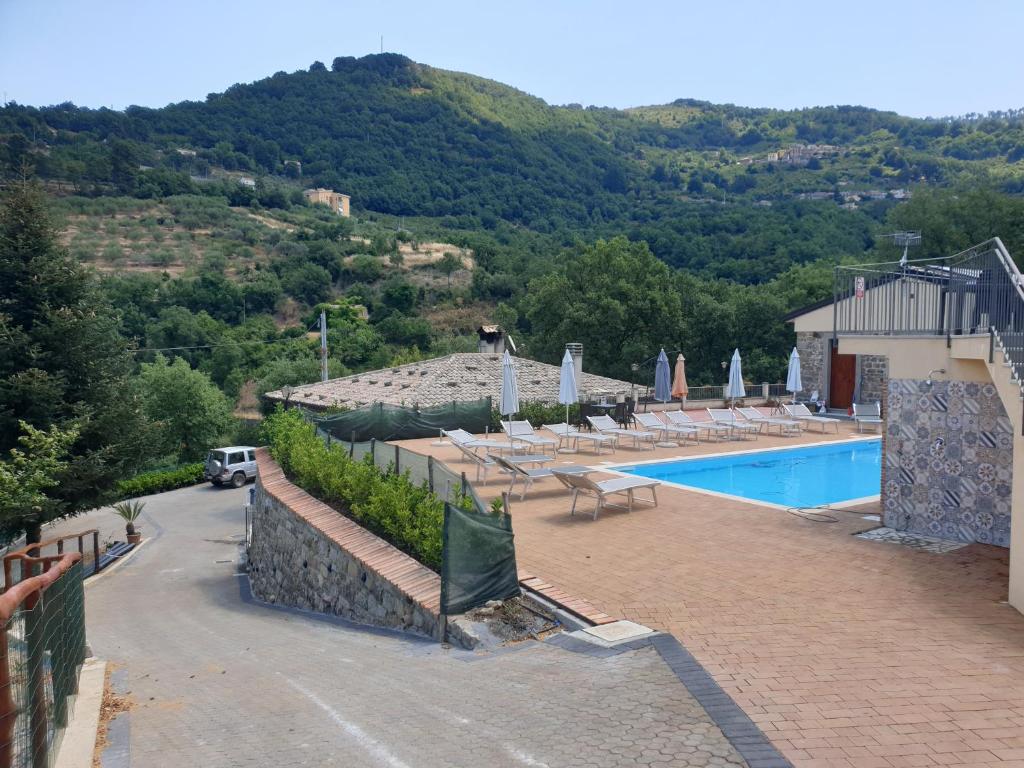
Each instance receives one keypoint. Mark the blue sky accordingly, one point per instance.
(917, 58)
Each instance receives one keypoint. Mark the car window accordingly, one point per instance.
(237, 457)
(252, 455)
(216, 456)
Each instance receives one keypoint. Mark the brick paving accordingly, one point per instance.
(846, 652)
(219, 681)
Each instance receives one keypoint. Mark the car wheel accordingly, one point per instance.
(238, 480)
(216, 482)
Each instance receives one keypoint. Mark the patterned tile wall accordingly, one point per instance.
(948, 461)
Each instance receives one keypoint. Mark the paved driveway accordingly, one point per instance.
(217, 681)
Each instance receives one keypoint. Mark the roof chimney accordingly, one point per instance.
(576, 351)
(492, 339)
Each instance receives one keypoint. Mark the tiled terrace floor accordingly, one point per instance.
(846, 652)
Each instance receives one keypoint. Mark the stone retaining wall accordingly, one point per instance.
(306, 555)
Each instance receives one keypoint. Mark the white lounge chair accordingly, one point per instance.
(867, 416)
(467, 440)
(482, 463)
(514, 466)
(606, 425)
(650, 421)
(802, 413)
(522, 431)
(581, 485)
(567, 434)
(683, 419)
(785, 426)
(739, 426)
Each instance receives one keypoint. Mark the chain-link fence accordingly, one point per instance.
(42, 647)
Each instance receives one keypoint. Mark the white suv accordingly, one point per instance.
(232, 465)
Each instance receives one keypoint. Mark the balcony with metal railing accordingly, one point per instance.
(979, 291)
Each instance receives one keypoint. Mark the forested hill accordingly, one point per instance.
(718, 189)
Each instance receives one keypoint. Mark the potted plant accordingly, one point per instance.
(130, 511)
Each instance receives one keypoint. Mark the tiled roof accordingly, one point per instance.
(459, 377)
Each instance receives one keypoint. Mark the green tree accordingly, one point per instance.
(448, 264)
(190, 414)
(615, 298)
(63, 362)
(29, 473)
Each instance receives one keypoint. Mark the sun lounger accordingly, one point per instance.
(867, 416)
(515, 467)
(482, 463)
(606, 426)
(581, 485)
(800, 411)
(522, 431)
(683, 419)
(785, 426)
(567, 434)
(466, 440)
(739, 426)
(651, 422)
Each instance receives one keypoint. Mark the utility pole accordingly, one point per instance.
(323, 345)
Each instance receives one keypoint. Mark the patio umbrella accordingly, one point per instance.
(662, 379)
(793, 383)
(679, 386)
(509, 387)
(734, 389)
(567, 384)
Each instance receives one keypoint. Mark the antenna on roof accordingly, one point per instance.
(907, 239)
(511, 344)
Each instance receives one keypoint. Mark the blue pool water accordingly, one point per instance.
(793, 477)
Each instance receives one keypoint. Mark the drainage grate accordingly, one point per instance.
(912, 540)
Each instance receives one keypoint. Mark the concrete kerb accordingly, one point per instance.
(89, 581)
(79, 740)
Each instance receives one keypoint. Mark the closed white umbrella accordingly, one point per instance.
(509, 387)
(793, 383)
(567, 384)
(734, 390)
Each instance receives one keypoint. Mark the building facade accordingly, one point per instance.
(336, 201)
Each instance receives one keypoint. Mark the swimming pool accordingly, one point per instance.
(805, 476)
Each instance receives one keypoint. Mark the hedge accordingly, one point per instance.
(161, 480)
(408, 516)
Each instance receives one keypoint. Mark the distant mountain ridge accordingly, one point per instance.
(407, 139)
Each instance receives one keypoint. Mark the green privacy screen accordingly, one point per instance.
(381, 421)
(479, 560)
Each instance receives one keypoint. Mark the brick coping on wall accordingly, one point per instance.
(408, 576)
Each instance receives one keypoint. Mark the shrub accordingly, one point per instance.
(388, 504)
(161, 480)
(538, 414)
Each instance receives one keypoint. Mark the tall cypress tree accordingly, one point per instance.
(63, 362)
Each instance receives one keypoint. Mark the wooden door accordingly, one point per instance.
(842, 380)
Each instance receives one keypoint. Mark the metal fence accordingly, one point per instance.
(976, 291)
(42, 646)
(478, 547)
(388, 457)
